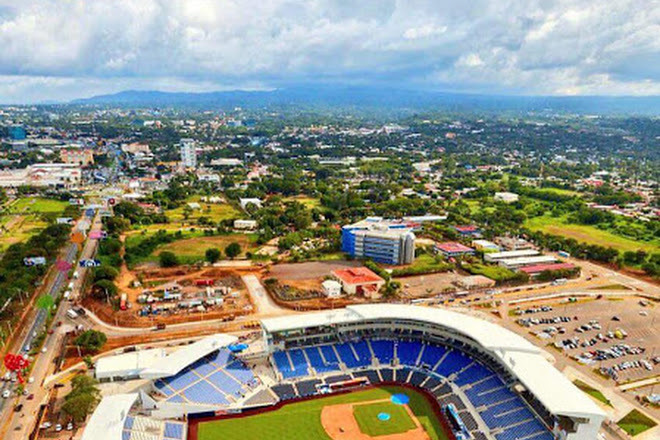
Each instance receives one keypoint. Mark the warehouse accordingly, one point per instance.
(497, 256)
(516, 263)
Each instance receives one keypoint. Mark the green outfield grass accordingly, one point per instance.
(589, 234)
(302, 421)
(369, 423)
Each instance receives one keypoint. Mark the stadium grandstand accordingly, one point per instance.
(490, 383)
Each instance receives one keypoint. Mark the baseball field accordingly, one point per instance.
(360, 415)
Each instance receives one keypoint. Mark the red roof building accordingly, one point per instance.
(453, 249)
(538, 268)
(359, 280)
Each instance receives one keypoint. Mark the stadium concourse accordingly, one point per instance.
(490, 383)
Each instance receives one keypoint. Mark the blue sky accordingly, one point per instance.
(64, 49)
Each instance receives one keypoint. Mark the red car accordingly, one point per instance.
(30, 397)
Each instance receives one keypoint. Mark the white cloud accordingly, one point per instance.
(498, 46)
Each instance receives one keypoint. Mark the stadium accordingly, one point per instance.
(368, 371)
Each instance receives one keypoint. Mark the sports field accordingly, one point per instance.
(303, 421)
(369, 423)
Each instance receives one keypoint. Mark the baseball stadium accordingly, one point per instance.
(379, 371)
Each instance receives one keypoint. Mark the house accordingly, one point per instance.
(331, 288)
(359, 281)
(452, 249)
(245, 224)
(247, 201)
(469, 230)
(485, 245)
(506, 197)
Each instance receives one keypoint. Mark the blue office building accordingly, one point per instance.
(16, 133)
(382, 241)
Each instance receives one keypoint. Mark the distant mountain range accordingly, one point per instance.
(385, 99)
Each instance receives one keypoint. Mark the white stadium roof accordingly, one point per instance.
(108, 419)
(523, 358)
(181, 358)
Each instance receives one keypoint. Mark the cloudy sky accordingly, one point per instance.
(63, 49)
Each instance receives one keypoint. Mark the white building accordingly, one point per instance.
(245, 202)
(245, 224)
(506, 197)
(42, 174)
(331, 288)
(188, 153)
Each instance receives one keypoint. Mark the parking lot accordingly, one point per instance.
(619, 337)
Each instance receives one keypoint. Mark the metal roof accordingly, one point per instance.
(524, 359)
(107, 422)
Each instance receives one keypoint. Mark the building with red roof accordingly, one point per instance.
(452, 249)
(469, 230)
(536, 269)
(359, 280)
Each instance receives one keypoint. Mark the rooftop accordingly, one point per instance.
(541, 267)
(356, 275)
(452, 246)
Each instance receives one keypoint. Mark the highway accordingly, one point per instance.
(18, 425)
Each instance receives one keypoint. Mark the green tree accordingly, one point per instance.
(45, 302)
(91, 340)
(168, 259)
(82, 399)
(212, 255)
(233, 250)
(105, 289)
(105, 272)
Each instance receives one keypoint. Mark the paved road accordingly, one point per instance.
(263, 303)
(17, 426)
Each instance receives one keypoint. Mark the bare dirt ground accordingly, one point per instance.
(419, 286)
(307, 271)
(340, 424)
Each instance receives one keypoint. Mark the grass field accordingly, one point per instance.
(214, 211)
(193, 245)
(635, 423)
(589, 234)
(309, 202)
(592, 392)
(196, 245)
(369, 423)
(37, 205)
(302, 421)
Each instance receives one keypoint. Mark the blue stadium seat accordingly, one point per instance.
(383, 349)
(317, 362)
(432, 354)
(363, 352)
(173, 430)
(204, 393)
(329, 354)
(408, 352)
(454, 362)
(346, 354)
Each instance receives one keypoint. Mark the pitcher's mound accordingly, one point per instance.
(340, 423)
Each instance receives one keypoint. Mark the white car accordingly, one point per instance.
(58, 427)
(6, 394)
(46, 425)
